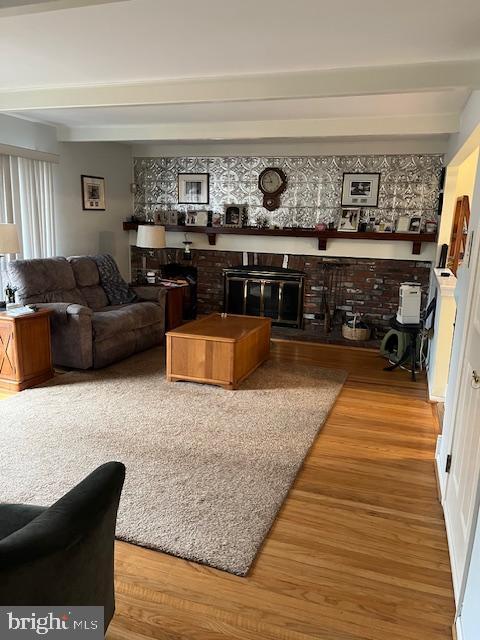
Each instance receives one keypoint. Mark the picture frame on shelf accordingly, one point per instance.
(403, 224)
(233, 214)
(383, 227)
(191, 218)
(349, 220)
(93, 193)
(172, 217)
(193, 188)
(360, 189)
(202, 218)
(415, 224)
(160, 217)
(216, 219)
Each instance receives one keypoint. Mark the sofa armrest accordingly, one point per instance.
(72, 335)
(65, 309)
(152, 293)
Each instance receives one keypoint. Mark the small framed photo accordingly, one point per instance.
(360, 189)
(216, 219)
(172, 217)
(202, 218)
(193, 188)
(349, 220)
(385, 227)
(191, 218)
(415, 224)
(161, 217)
(93, 193)
(233, 214)
(403, 224)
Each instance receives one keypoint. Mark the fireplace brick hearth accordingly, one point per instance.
(368, 286)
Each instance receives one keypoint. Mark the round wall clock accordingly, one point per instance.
(272, 182)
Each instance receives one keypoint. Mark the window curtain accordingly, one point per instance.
(26, 198)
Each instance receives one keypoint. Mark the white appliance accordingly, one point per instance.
(410, 303)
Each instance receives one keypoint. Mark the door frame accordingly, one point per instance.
(473, 258)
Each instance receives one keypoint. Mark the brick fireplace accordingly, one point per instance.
(368, 286)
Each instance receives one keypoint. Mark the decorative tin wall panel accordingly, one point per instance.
(409, 185)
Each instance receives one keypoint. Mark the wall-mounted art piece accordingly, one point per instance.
(409, 185)
(360, 189)
(93, 193)
(193, 188)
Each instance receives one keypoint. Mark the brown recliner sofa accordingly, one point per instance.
(87, 331)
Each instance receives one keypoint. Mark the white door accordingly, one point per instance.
(461, 501)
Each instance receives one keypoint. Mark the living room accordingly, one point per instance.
(239, 353)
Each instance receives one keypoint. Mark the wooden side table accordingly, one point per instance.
(174, 307)
(25, 350)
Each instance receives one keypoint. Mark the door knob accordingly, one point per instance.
(475, 379)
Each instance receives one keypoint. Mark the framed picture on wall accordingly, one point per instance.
(360, 189)
(93, 193)
(193, 188)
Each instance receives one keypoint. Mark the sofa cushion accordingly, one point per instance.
(87, 278)
(121, 318)
(44, 280)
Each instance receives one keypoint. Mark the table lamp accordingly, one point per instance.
(9, 243)
(9, 239)
(151, 236)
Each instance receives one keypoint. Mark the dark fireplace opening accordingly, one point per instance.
(271, 292)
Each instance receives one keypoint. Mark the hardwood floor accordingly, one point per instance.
(358, 551)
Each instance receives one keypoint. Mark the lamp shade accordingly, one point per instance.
(9, 239)
(150, 236)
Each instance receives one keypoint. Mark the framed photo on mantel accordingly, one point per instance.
(360, 189)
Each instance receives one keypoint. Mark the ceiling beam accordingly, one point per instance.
(271, 129)
(22, 7)
(280, 86)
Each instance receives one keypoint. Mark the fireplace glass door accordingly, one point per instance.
(279, 297)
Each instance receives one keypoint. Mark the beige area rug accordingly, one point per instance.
(207, 469)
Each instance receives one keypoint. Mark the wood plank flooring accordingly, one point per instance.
(358, 551)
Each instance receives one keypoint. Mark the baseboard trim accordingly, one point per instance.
(457, 633)
(437, 479)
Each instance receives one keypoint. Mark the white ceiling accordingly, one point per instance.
(112, 64)
(157, 39)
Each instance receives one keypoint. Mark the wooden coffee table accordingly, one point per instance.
(218, 349)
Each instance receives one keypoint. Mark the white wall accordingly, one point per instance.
(367, 146)
(23, 134)
(81, 232)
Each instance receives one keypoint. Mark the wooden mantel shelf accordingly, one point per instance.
(323, 236)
